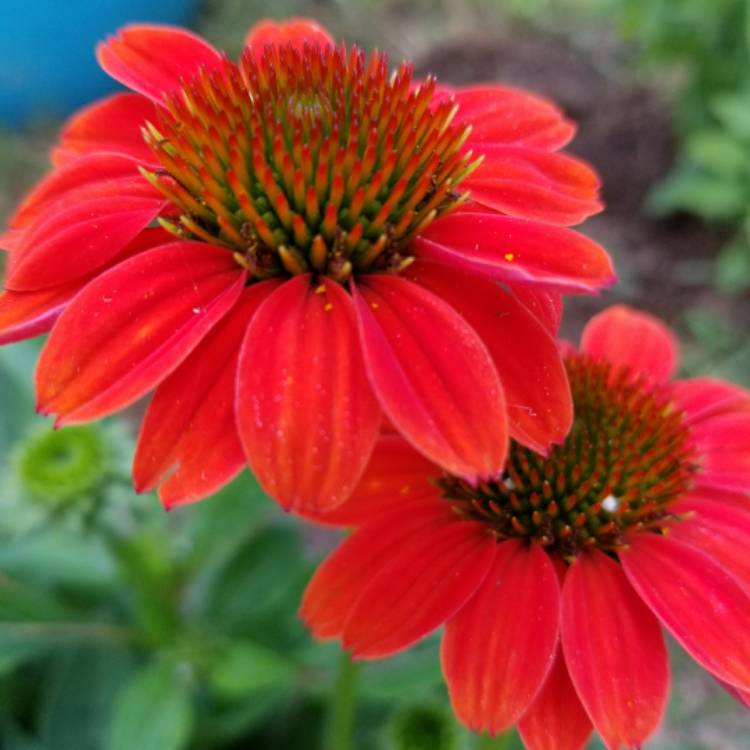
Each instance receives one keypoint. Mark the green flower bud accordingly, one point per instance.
(58, 467)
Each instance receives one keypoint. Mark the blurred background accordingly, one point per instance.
(126, 628)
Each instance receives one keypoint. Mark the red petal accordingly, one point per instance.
(547, 306)
(517, 250)
(723, 447)
(86, 235)
(27, 314)
(742, 696)
(500, 114)
(112, 124)
(9, 240)
(499, 648)
(188, 440)
(703, 398)
(154, 60)
(720, 529)
(294, 31)
(396, 476)
(556, 719)
(427, 579)
(340, 580)
(634, 339)
(130, 327)
(614, 651)
(535, 184)
(434, 377)
(91, 176)
(540, 409)
(307, 416)
(698, 601)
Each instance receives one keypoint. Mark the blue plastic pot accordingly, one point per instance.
(47, 63)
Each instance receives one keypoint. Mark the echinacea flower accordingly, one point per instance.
(240, 237)
(554, 582)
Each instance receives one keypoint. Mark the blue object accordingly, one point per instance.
(47, 63)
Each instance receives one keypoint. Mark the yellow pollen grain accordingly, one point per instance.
(509, 256)
(328, 307)
(320, 289)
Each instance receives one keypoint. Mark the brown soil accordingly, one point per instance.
(626, 132)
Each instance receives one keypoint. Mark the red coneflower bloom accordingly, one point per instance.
(553, 580)
(241, 236)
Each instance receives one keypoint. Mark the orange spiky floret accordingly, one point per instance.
(625, 460)
(309, 160)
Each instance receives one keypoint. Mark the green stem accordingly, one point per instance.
(339, 728)
(501, 742)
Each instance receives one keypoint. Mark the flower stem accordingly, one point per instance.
(501, 742)
(341, 708)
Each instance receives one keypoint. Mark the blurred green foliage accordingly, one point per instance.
(703, 48)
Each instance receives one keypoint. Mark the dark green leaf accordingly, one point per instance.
(153, 711)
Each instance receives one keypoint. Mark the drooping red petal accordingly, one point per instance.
(518, 250)
(742, 696)
(9, 240)
(112, 125)
(153, 59)
(395, 477)
(537, 394)
(634, 339)
(720, 529)
(614, 651)
(546, 305)
(97, 175)
(534, 184)
(697, 600)
(503, 115)
(556, 720)
(722, 444)
(433, 376)
(78, 239)
(307, 416)
(340, 580)
(294, 31)
(188, 441)
(498, 650)
(426, 581)
(703, 398)
(131, 326)
(27, 314)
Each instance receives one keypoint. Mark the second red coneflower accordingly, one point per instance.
(554, 581)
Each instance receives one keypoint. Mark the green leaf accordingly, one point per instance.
(718, 152)
(240, 593)
(153, 711)
(78, 696)
(733, 268)
(410, 674)
(55, 556)
(733, 112)
(245, 667)
(702, 194)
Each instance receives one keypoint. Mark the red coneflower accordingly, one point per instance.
(240, 236)
(553, 580)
